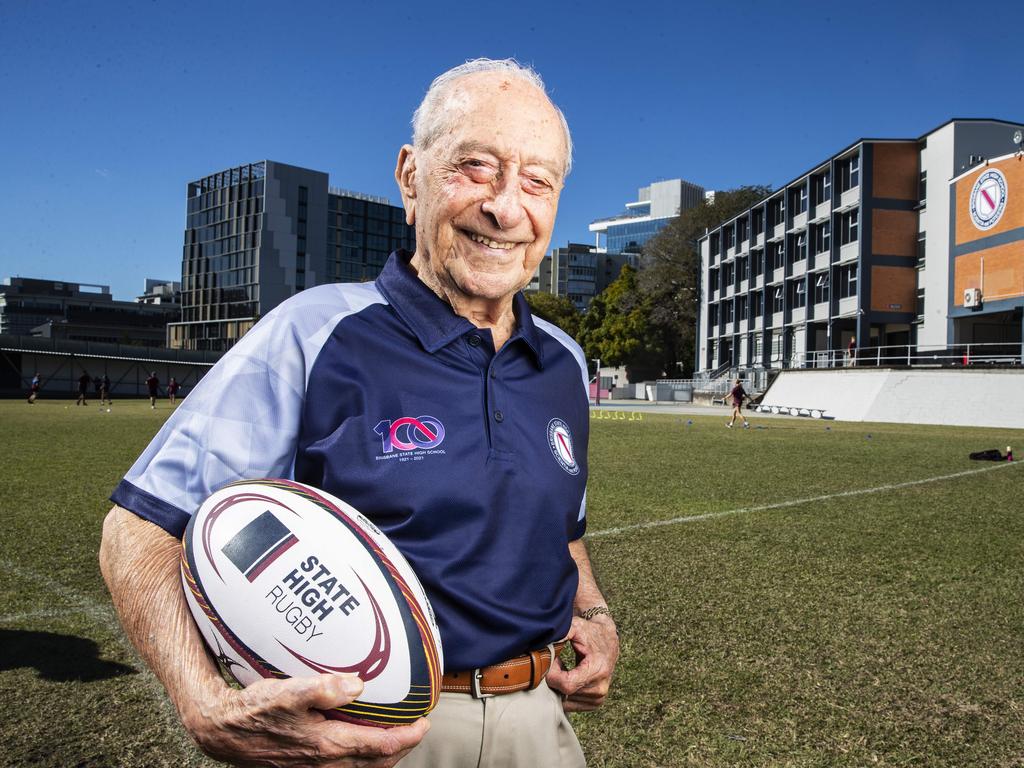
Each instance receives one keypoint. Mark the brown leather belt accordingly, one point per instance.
(522, 673)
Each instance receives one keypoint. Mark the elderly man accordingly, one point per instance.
(491, 520)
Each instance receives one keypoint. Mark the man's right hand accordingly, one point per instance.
(272, 722)
(276, 723)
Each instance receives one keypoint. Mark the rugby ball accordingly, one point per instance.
(285, 580)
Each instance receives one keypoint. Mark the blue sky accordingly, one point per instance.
(110, 108)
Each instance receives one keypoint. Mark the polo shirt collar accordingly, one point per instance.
(432, 320)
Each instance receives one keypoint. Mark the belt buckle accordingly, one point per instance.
(474, 685)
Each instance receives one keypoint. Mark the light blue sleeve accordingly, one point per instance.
(243, 419)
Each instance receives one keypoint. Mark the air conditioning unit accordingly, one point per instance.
(972, 297)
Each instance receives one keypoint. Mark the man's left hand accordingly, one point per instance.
(585, 686)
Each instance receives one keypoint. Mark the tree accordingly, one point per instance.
(555, 309)
(670, 278)
(617, 329)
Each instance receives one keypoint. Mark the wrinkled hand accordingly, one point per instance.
(276, 722)
(585, 686)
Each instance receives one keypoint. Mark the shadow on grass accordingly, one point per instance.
(61, 658)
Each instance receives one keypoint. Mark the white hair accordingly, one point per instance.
(430, 120)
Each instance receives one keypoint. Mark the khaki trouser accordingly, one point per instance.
(518, 730)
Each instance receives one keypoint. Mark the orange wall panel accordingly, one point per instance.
(893, 286)
(894, 233)
(895, 170)
(1013, 215)
(1003, 276)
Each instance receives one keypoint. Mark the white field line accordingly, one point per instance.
(105, 616)
(792, 503)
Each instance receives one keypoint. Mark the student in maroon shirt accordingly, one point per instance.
(736, 394)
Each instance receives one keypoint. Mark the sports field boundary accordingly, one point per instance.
(791, 503)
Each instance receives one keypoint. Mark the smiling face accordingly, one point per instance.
(484, 195)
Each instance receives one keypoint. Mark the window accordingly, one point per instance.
(848, 281)
(922, 188)
(920, 250)
(758, 218)
(712, 316)
(742, 230)
(821, 288)
(798, 248)
(756, 304)
(776, 255)
(798, 200)
(823, 237)
(756, 263)
(797, 293)
(777, 211)
(822, 184)
(848, 225)
(716, 247)
(758, 347)
(728, 311)
(712, 280)
(741, 268)
(920, 303)
(741, 308)
(849, 173)
(776, 300)
(727, 237)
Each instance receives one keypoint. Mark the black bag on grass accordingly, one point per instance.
(992, 454)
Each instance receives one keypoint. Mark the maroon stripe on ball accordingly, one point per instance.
(269, 558)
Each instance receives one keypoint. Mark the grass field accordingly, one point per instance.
(879, 621)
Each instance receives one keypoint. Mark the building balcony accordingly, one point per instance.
(730, 252)
(848, 306)
(798, 315)
(778, 232)
(849, 199)
(778, 275)
(757, 323)
(798, 268)
(744, 286)
(799, 222)
(742, 326)
(777, 320)
(849, 252)
(759, 240)
(820, 310)
(822, 211)
(730, 289)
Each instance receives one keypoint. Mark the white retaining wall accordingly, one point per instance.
(982, 398)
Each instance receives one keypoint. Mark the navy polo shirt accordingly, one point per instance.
(474, 463)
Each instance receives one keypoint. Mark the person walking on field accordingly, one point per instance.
(33, 390)
(83, 387)
(172, 390)
(153, 383)
(737, 394)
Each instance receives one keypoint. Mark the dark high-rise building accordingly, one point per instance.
(258, 233)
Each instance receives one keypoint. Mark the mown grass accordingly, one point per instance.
(873, 629)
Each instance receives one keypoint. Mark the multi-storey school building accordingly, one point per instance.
(903, 245)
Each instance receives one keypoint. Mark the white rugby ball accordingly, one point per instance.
(285, 580)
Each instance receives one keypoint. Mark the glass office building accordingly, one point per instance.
(656, 205)
(258, 233)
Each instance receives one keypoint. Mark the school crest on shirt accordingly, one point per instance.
(560, 442)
